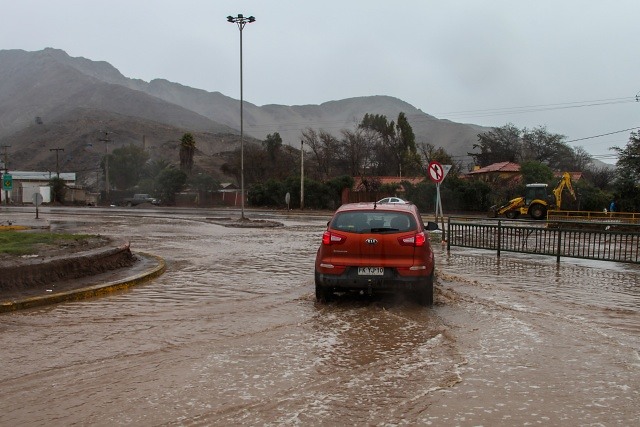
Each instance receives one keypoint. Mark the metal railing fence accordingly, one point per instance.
(588, 240)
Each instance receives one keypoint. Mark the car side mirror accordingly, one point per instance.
(431, 226)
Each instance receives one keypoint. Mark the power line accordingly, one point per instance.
(479, 113)
(604, 134)
(537, 108)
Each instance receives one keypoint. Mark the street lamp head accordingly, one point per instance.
(240, 19)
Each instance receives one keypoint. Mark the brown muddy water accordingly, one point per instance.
(231, 334)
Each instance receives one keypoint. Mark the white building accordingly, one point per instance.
(26, 184)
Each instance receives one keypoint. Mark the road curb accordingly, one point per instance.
(88, 291)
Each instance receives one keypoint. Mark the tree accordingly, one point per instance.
(187, 150)
(395, 142)
(58, 189)
(272, 145)
(510, 144)
(533, 172)
(430, 153)
(538, 145)
(355, 153)
(325, 148)
(629, 156)
(125, 166)
(498, 145)
(628, 171)
(600, 177)
(581, 160)
(169, 182)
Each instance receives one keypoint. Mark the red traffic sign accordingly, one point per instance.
(436, 171)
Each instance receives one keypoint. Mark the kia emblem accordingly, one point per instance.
(371, 241)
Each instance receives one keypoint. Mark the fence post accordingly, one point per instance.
(499, 235)
(449, 239)
(559, 242)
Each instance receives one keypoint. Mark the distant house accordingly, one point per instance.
(502, 171)
(230, 194)
(510, 172)
(26, 184)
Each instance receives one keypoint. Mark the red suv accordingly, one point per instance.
(371, 248)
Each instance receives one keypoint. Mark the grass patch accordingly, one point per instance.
(20, 243)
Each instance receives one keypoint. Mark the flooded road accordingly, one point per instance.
(231, 334)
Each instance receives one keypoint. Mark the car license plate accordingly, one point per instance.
(370, 271)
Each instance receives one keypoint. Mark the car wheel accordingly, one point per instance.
(323, 294)
(425, 292)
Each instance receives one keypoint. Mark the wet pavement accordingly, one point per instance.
(231, 334)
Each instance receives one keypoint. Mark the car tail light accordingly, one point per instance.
(329, 238)
(416, 240)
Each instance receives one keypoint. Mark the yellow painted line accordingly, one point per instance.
(89, 291)
(13, 227)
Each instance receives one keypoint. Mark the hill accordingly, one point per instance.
(51, 100)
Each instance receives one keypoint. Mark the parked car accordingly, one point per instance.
(392, 200)
(138, 199)
(372, 248)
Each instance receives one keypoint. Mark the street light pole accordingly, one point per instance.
(106, 140)
(241, 21)
(302, 175)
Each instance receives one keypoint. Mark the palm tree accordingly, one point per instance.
(187, 150)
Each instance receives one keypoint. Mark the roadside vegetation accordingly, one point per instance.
(378, 147)
(21, 243)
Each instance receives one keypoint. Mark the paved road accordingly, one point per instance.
(231, 334)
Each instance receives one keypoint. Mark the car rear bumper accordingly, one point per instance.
(390, 282)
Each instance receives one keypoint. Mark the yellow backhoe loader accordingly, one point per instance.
(536, 201)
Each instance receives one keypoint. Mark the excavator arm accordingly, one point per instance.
(565, 182)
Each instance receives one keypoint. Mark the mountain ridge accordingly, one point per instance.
(51, 86)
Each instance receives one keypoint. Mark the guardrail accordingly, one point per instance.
(625, 217)
(602, 241)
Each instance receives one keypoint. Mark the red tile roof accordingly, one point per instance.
(498, 167)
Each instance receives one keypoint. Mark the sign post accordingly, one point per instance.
(437, 173)
(7, 185)
(37, 200)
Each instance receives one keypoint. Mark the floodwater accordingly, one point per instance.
(231, 334)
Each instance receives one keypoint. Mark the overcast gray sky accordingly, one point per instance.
(569, 65)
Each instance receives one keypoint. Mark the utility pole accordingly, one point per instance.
(57, 164)
(6, 169)
(301, 175)
(106, 140)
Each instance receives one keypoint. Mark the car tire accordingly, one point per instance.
(425, 292)
(323, 294)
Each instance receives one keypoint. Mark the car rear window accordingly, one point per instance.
(374, 221)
